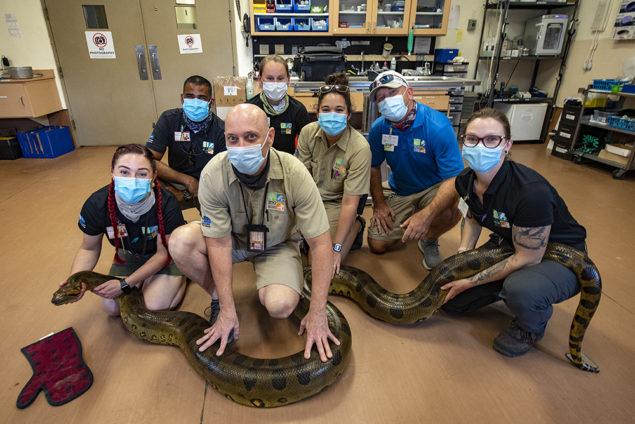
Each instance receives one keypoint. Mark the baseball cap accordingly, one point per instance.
(389, 79)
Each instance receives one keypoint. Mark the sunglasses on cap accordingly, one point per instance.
(385, 80)
(325, 89)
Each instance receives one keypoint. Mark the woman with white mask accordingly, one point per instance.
(286, 115)
(521, 209)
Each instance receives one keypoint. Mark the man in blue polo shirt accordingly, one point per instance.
(419, 201)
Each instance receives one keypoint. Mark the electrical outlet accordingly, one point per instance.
(471, 24)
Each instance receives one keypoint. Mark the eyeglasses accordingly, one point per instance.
(489, 141)
(325, 89)
(385, 80)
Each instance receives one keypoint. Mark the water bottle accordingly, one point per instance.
(393, 64)
(249, 88)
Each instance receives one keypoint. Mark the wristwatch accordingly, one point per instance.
(124, 286)
(337, 247)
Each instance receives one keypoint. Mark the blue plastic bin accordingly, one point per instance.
(284, 24)
(300, 8)
(284, 6)
(445, 55)
(45, 142)
(266, 24)
(315, 26)
(302, 24)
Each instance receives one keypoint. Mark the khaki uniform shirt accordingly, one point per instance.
(343, 168)
(289, 200)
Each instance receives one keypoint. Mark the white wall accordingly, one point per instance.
(244, 63)
(33, 46)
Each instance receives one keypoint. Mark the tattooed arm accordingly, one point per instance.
(529, 244)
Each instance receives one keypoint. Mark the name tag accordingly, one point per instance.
(389, 141)
(463, 207)
(181, 136)
(121, 229)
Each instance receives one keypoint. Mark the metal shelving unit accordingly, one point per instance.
(620, 169)
(497, 56)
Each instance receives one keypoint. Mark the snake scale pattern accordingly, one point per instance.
(276, 382)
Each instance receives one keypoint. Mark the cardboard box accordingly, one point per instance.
(619, 149)
(612, 157)
(229, 91)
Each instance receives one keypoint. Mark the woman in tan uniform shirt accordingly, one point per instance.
(338, 157)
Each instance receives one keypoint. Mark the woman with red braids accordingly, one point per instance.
(138, 221)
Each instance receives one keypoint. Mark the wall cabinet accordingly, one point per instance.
(350, 17)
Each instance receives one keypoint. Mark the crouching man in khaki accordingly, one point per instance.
(253, 199)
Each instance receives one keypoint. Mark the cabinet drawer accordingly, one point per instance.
(28, 99)
(14, 101)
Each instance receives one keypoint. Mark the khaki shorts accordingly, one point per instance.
(333, 213)
(280, 264)
(404, 207)
(133, 262)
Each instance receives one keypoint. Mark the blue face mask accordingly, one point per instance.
(196, 109)
(480, 158)
(393, 108)
(132, 190)
(332, 123)
(247, 160)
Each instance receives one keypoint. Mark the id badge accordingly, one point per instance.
(257, 235)
(177, 136)
(389, 139)
(463, 207)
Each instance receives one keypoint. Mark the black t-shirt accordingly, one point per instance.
(520, 196)
(138, 237)
(188, 152)
(287, 125)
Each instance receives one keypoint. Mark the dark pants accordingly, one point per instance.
(529, 293)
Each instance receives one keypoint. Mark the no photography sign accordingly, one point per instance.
(100, 45)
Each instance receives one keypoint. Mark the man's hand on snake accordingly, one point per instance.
(108, 290)
(318, 332)
(224, 325)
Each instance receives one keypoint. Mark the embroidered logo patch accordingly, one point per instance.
(419, 145)
(206, 221)
(82, 221)
(500, 219)
(150, 232)
(208, 147)
(338, 168)
(285, 128)
(276, 201)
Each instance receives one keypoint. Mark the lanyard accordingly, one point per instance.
(264, 203)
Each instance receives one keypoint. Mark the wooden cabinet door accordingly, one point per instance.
(390, 17)
(351, 16)
(429, 17)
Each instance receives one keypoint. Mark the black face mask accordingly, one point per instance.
(254, 182)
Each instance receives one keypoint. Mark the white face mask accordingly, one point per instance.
(274, 90)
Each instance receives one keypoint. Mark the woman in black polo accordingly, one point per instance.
(286, 115)
(137, 216)
(520, 207)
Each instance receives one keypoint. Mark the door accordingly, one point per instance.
(429, 17)
(116, 100)
(351, 17)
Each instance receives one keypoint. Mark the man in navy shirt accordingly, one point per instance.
(418, 143)
(192, 134)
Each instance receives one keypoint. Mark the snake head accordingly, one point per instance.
(72, 290)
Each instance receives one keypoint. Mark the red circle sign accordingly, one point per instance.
(100, 40)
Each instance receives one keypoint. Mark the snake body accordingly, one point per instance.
(262, 383)
(427, 297)
(276, 382)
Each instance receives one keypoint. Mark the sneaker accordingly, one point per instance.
(212, 311)
(359, 239)
(514, 341)
(431, 255)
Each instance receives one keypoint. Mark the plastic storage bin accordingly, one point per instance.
(622, 123)
(612, 85)
(284, 24)
(284, 6)
(9, 148)
(46, 142)
(445, 55)
(302, 24)
(319, 24)
(301, 6)
(266, 24)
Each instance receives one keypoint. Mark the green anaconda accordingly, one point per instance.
(427, 297)
(262, 383)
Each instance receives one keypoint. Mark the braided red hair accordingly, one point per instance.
(161, 224)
